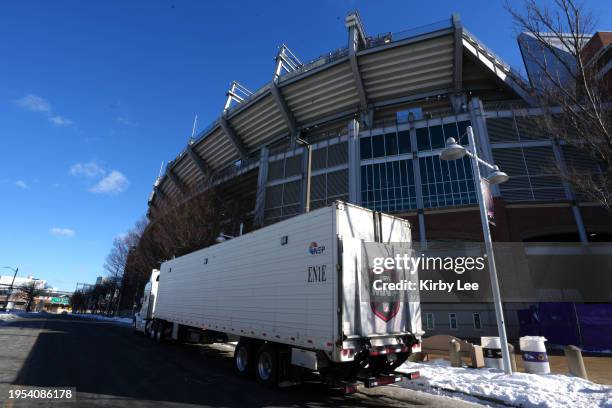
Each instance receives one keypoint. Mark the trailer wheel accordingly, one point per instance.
(159, 333)
(152, 329)
(244, 358)
(266, 368)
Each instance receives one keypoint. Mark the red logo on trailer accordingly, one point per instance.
(384, 304)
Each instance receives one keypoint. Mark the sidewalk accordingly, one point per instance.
(599, 369)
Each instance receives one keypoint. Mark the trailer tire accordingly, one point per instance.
(266, 366)
(152, 329)
(244, 358)
(159, 333)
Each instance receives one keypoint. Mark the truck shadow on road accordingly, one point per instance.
(110, 365)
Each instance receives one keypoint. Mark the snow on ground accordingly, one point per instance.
(120, 320)
(519, 389)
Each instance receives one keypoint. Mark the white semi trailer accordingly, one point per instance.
(296, 296)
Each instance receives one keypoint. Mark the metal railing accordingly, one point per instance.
(391, 37)
(317, 62)
(516, 76)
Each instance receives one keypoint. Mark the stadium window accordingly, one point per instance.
(404, 142)
(422, 136)
(446, 183)
(450, 130)
(437, 137)
(378, 146)
(477, 323)
(462, 129)
(452, 321)
(365, 147)
(364, 184)
(391, 144)
(429, 321)
(388, 186)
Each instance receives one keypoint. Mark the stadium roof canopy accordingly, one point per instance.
(371, 73)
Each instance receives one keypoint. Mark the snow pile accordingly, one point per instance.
(6, 317)
(519, 389)
(120, 320)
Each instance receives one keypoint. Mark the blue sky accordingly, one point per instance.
(95, 95)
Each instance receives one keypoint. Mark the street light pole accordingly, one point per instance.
(454, 151)
(8, 295)
(486, 232)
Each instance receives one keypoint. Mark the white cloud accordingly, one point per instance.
(90, 170)
(34, 103)
(124, 120)
(61, 121)
(22, 184)
(62, 232)
(39, 104)
(114, 183)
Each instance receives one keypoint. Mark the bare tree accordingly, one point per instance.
(180, 227)
(30, 291)
(574, 95)
(115, 263)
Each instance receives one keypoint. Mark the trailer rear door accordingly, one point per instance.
(373, 313)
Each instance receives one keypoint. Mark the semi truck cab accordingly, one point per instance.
(144, 316)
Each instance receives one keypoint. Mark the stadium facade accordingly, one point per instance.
(376, 114)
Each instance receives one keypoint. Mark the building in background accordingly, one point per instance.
(535, 56)
(16, 299)
(598, 53)
(377, 114)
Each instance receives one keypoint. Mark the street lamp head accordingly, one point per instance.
(497, 176)
(453, 150)
(223, 237)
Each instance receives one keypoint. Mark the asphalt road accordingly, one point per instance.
(111, 367)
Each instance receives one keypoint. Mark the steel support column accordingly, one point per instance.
(306, 188)
(262, 178)
(416, 170)
(232, 137)
(282, 106)
(357, 40)
(354, 163)
(458, 60)
(177, 182)
(569, 193)
(198, 161)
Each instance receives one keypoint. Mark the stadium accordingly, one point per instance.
(375, 115)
